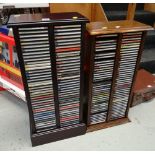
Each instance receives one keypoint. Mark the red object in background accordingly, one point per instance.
(144, 89)
(2, 89)
(144, 80)
(11, 42)
(7, 75)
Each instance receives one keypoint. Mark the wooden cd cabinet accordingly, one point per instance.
(76, 80)
(51, 54)
(113, 53)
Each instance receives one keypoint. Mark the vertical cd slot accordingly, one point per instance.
(36, 56)
(68, 55)
(129, 52)
(104, 57)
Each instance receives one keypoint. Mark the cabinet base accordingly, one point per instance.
(58, 134)
(107, 125)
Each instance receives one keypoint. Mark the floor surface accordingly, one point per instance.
(139, 134)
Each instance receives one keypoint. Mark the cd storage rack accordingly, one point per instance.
(50, 49)
(113, 54)
(104, 59)
(129, 54)
(68, 72)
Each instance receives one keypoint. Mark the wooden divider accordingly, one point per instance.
(131, 11)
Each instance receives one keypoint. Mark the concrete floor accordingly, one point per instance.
(139, 134)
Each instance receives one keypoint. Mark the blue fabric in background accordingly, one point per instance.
(4, 30)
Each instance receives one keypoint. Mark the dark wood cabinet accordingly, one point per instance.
(51, 56)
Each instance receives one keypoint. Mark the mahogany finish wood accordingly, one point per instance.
(27, 19)
(30, 27)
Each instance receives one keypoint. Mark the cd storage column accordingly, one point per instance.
(114, 54)
(130, 45)
(68, 61)
(103, 61)
(46, 51)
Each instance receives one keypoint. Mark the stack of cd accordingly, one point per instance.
(36, 55)
(104, 57)
(68, 47)
(129, 52)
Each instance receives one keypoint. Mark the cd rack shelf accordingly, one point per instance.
(113, 54)
(50, 51)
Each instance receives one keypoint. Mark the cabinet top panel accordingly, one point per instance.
(25, 19)
(96, 28)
